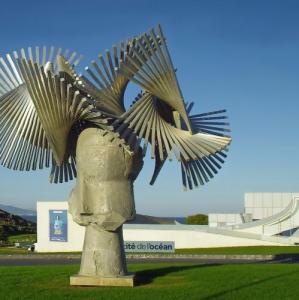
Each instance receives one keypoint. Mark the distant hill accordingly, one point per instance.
(180, 220)
(30, 215)
(144, 219)
(29, 218)
(27, 214)
(140, 219)
(17, 211)
(11, 224)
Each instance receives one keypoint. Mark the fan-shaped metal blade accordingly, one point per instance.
(38, 108)
(151, 67)
(145, 121)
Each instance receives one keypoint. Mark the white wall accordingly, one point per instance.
(189, 238)
(184, 236)
(219, 220)
(286, 220)
(75, 232)
(263, 205)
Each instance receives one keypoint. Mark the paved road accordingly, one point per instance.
(37, 260)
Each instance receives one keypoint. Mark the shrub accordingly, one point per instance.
(198, 219)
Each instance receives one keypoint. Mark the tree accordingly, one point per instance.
(198, 219)
(3, 235)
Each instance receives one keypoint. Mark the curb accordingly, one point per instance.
(202, 256)
(259, 257)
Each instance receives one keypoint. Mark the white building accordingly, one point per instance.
(222, 220)
(275, 215)
(257, 206)
(264, 205)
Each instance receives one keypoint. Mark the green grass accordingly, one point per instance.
(243, 250)
(30, 238)
(13, 250)
(158, 281)
(19, 238)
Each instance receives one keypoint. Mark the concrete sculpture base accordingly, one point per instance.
(79, 280)
(102, 201)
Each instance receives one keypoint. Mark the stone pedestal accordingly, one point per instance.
(103, 200)
(127, 280)
(103, 253)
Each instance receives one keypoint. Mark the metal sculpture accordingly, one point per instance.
(49, 114)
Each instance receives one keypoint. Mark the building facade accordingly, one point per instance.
(268, 219)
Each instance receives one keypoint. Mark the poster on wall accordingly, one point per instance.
(58, 225)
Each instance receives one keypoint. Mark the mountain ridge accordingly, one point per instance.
(17, 210)
(12, 224)
(30, 215)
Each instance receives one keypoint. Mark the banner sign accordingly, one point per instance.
(58, 225)
(149, 246)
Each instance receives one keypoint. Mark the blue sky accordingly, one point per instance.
(238, 55)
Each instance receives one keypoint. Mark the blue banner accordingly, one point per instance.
(58, 225)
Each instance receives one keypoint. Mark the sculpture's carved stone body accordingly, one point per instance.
(103, 200)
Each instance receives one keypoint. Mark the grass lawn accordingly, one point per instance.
(158, 281)
(243, 250)
(13, 250)
(30, 238)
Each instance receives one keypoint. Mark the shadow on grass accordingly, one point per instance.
(147, 276)
(247, 285)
